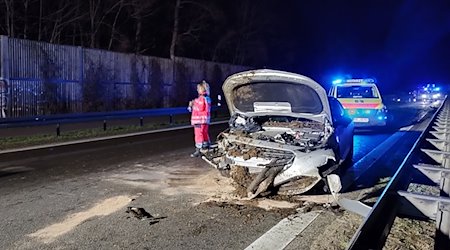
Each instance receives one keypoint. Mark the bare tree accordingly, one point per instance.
(191, 27)
(98, 11)
(176, 17)
(25, 25)
(141, 9)
(240, 40)
(62, 18)
(9, 15)
(114, 24)
(40, 21)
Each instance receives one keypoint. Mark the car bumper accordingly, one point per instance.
(369, 121)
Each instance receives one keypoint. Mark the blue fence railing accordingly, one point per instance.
(98, 116)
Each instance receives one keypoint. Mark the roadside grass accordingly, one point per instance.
(73, 135)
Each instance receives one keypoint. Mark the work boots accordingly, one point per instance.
(197, 153)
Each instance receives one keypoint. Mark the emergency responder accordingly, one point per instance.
(200, 118)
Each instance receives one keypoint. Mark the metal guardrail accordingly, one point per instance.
(396, 201)
(99, 116)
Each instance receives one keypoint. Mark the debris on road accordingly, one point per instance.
(141, 214)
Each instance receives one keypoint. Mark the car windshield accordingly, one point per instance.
(356, 92)
(300, 97)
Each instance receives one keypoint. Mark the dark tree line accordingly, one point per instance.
(223, 31)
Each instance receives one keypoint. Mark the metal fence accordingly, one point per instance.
(39, 78)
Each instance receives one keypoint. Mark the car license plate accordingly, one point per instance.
(361, 119)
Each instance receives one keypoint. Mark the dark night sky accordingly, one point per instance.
(401, 43)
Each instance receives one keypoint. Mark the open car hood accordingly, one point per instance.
(270, 92)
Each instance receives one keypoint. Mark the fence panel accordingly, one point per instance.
(41, 78)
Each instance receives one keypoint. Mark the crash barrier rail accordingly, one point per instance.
(102, 116)
(396, 201)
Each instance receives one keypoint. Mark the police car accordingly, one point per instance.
(362, 101)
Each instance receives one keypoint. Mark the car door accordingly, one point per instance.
(343, 126)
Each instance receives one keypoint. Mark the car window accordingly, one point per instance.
(357, 92)
(301, 98)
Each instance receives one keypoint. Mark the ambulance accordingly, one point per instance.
(362, 101)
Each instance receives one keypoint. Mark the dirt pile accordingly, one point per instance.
(246, 152)
(241, 180)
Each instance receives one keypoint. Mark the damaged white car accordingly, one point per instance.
(284, 131)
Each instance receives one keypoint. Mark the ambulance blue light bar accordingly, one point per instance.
(360, 80)
(337, 81)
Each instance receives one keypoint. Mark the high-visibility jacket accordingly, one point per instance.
(201, 110)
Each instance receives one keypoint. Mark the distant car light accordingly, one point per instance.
(424, 96)
(398, 99)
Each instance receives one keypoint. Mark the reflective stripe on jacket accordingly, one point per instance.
(201, 110)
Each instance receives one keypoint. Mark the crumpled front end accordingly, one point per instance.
(288, 156)
(280, 133)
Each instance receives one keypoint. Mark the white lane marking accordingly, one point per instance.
(101, 138)
(408, 128)
(279, 236)
(106, 207)
(366, 162)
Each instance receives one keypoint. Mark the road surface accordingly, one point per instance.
(76, 197)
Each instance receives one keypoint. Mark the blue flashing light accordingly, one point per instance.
(337, 81)
(380, 118)
(361, 80)
(437, 89)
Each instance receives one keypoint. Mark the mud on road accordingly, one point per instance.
(191, 176)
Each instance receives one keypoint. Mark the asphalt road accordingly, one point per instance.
(76, 197)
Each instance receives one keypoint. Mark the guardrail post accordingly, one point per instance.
(104, 125)
(443, 215)
(141, 121)
(171, 119)
(58, 130)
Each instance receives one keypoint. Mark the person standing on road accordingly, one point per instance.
(200, 118)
